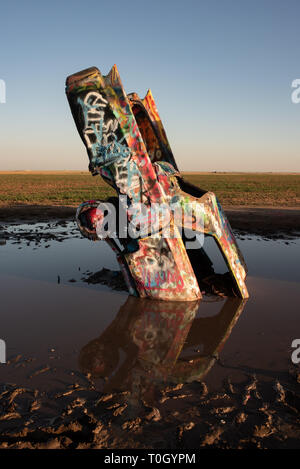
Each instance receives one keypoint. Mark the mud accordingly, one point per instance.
(112, 278)
(275, 222)
(251, 414)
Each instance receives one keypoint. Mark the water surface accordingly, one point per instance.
(52, 320)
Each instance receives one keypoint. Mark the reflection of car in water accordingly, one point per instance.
(155, 342)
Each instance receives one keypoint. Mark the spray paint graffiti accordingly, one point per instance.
(99, 131)
(128, 147)
(2, 92)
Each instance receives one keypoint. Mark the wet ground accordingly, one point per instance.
(89, 366)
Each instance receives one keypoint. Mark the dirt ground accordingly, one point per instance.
(257, 220)
(251, 414)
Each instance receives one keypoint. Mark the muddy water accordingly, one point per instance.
(58, 328)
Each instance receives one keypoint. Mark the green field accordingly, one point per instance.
(71, 188)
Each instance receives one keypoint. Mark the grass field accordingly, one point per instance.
(72, 188)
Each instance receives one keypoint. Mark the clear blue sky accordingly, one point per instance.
(220, 71)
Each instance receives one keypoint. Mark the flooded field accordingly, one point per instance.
(206, 373)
